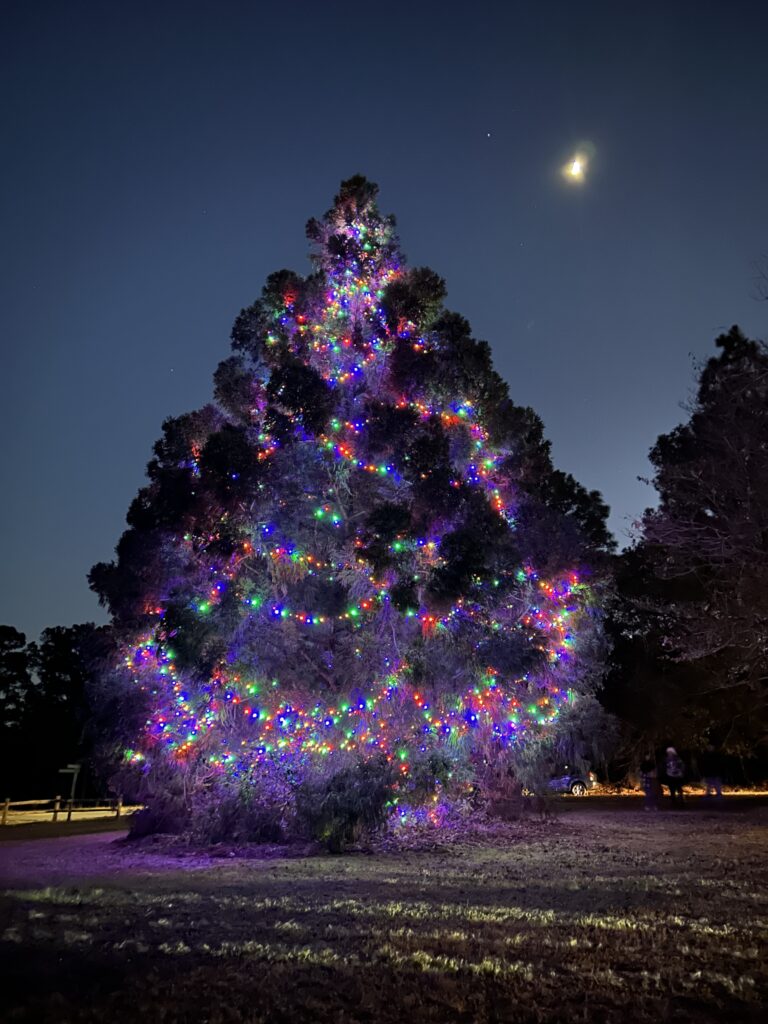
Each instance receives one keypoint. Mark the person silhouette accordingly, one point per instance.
(675, 772)
(711, 767)
(649, 780)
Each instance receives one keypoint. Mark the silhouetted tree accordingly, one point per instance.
(698, 579)
(15, 678)
(47, 720)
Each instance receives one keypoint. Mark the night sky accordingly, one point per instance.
(160, 159)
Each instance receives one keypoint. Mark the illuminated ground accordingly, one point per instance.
(608, 916)
(15, 818)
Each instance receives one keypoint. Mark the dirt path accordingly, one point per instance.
(96, 858)
(52, 861)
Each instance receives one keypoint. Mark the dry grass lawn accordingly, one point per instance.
(593, 916)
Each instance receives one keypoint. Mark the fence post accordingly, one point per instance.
(6, 805)
(119, 808)
(56, 807)
(69, 809)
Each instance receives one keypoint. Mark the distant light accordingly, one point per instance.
(575, 169)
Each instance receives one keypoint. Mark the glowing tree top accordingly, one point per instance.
(362, 547)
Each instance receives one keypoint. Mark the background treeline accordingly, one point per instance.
(49, 716)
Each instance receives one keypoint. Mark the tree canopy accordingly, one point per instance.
(695, 584)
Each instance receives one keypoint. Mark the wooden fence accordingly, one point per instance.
(56, 807)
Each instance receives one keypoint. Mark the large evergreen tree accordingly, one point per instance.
(361, 552)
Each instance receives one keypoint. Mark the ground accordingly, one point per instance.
(597, 914)
(16, 817)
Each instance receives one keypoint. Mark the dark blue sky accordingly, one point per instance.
(160, 159)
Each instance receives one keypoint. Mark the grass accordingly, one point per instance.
(592, 916)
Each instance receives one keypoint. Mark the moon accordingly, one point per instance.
(575, 168)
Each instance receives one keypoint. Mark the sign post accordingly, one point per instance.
(74, 771)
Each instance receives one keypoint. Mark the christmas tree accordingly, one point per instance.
(361, 553)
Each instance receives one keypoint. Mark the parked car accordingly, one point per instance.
(572, 780)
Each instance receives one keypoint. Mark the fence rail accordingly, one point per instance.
(57, 807)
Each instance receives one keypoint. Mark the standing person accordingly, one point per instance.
(675, 771)
(650, 782)
(710, 764)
